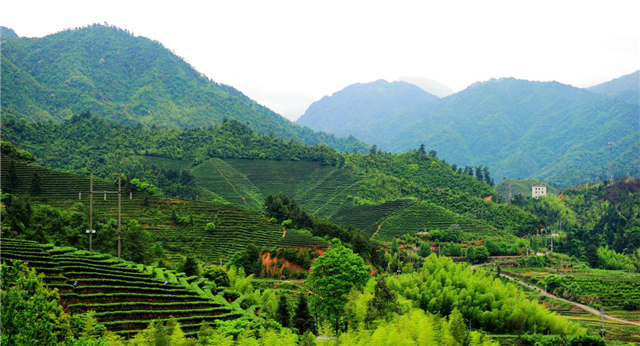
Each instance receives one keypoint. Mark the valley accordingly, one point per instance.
(143, 203)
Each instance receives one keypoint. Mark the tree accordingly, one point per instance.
(12, 180)
(479, 174)
(394, 246)
(332, 277)
(36, 184)
(31, 313)
(422, 150)
(425, 250)
(217, 274)
(471, 254)
(136, 242)
(433, 153)
(190, 266)
(210, 227)
(283, 316)
(383, 303)
(374, 150)
(481, 254)
(487, 177)
(302, 320)
(457, 327)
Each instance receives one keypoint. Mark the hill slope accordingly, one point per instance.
(235, 226)
(231, 163)
(522, 129)
(125, 296)
(626, 88)
(361, 109)
(132, 80)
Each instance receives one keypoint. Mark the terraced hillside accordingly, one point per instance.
(125, 296)
(395, 218)
(235, 227)
(426, 216)
(324, 191)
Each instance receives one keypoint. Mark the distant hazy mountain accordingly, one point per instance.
(128, 79)
(429, 85)
(7, 33)
(520, 129)
(362, 110)
(626, 88)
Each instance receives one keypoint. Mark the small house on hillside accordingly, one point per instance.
(538, 190)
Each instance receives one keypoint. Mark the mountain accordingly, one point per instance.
(626, 88)
(361, 110)
(132, 80)
(520, 129)
(7, 33)
(429, 85)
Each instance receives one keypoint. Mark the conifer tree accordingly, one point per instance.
(36, 184)
(302, 320)
(12, 180)
(283, 316)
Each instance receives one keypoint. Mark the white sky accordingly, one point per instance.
(287, 54)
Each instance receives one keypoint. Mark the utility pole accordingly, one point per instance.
(91, 231)
(610, 162)
(119, 213)
(602, 331)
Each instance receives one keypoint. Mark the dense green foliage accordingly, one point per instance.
(416, 328)
(282, 208)
(593, 216)
(30, 311)
(442, 286)
(516, 127)
(378, 102)
(131, 80)
(332, 276)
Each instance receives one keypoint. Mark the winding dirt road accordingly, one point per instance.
(577, 305)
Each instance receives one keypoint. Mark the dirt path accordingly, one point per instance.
(376, 232)
(577, 305)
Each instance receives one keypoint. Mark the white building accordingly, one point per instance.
(538, 190)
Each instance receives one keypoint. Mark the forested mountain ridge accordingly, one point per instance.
(129, 79)
(361, 109)
(523, 129)
(626, 88)
(233, 163)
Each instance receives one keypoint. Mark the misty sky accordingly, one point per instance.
(287, 54)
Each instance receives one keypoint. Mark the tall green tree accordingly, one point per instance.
(332, 276)
(36, 184)
(190, 266)
(303, 321)
(383, 303)
(11, 182)
(283, 314)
